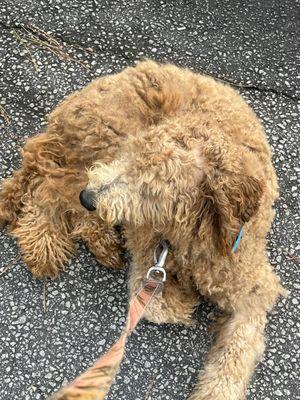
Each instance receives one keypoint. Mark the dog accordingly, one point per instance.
(168, 154)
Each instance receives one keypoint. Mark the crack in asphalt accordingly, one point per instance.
(257, 88)
(239, 85)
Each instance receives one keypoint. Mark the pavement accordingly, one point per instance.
(52, 330)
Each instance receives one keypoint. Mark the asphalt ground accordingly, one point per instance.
(50, 331)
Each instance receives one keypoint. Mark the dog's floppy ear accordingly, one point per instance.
(235, 199)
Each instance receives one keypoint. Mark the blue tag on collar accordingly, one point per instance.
(237, 241)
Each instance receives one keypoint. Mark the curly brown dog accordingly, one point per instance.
(169, 154)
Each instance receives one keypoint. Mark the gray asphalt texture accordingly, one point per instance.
(51, 331)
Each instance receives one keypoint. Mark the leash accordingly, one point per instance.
(95, 382)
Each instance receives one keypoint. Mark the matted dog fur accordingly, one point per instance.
(169, 154)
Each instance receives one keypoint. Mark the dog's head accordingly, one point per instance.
(170, 179)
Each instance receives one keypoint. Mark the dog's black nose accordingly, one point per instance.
(87, 199)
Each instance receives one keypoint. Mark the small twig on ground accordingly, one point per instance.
(150, 387)
(88, 49)
(55, 42)
(6, 269)
(44, 296)
(4, 115)
(30, 28)
(30, 56)
(293, 258)
(31, 35)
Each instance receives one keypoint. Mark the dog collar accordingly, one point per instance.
(237, 241)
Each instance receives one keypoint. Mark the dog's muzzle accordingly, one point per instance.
(87, 199)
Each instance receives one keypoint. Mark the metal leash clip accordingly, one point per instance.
(158, 268)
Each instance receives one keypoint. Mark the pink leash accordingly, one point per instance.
(95, 382)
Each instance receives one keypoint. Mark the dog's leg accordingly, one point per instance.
(232, 359)
(105, 243)
(45, 245)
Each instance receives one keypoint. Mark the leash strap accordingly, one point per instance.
(95, 383)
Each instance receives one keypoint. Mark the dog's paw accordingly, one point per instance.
(105, 243)
(159, 314)
(42, 268)
(114, 261)
(213, 386)
(108, 256)
(45, 251)
(48, 258)
(172, 307)
(214, 396)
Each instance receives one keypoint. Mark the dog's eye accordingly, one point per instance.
(250, 148)
(180, 142)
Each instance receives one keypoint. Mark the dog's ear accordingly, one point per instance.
(234, 199)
